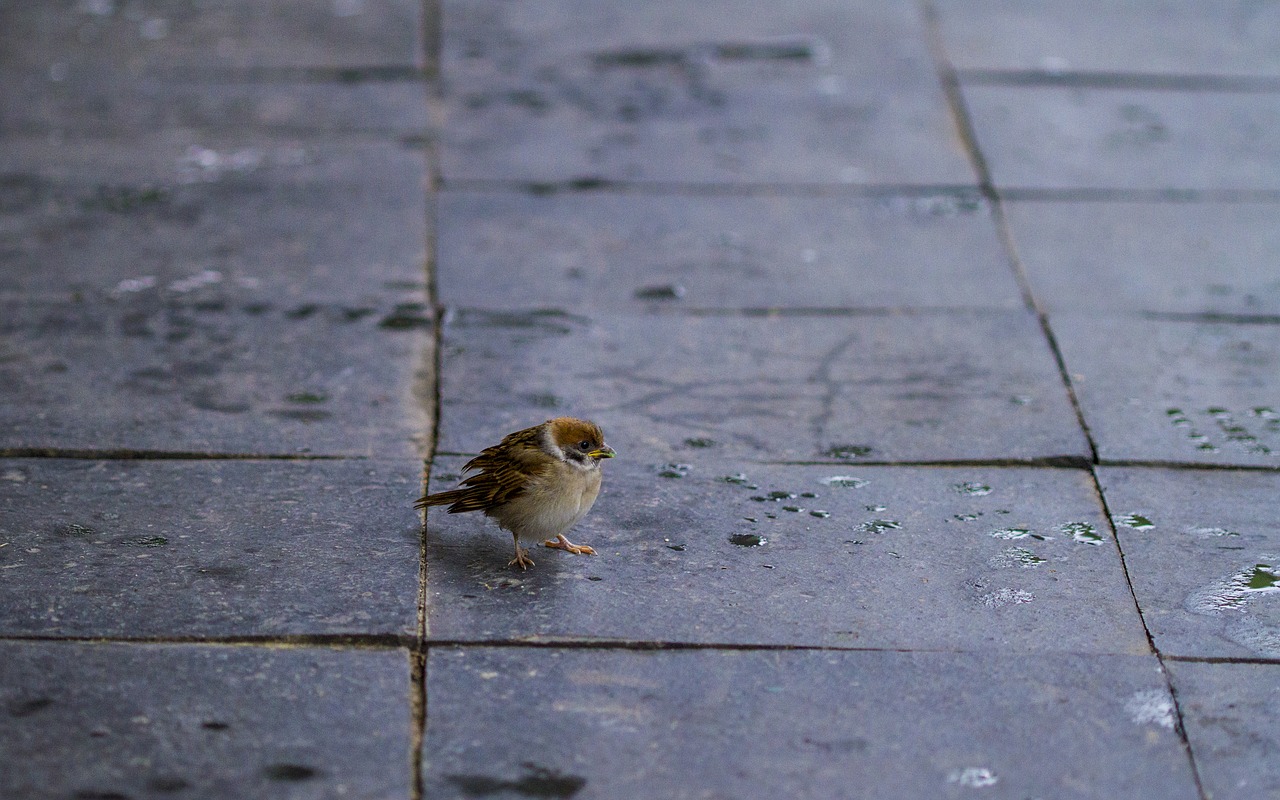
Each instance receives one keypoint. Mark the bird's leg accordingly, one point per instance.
(561, 543)
(522, 555)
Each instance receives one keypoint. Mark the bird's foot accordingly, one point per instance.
(522, 559)
(561, 543)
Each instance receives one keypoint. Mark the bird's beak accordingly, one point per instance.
(603, 452)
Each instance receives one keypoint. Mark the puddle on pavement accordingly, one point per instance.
(537, 781)
(147, 541)
(879, 526)
(774, 497)
(1231, 596)
(1137, 522)
(1220, 427)
(973, 489)
(748, 539)
(849, 451)
(1006, 597)
(973, 777)
(673, 470)
(846, 481)
(1234, 591)
(1151, 707)
(75, 530)
(1011, 534)
(1016, 557)
(1081, 532)
(1211, 532)
(1262, 578)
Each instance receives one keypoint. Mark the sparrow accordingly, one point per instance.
(537, 483)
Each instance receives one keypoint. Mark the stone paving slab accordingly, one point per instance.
(1213, 258)
(1230, 38)
(1229, 711)
(112, 721)
(600, 723)
(828, 387)
(1176, 391)
(601, 250)
(1075, 138)
(813, 92)
(1203, 554)
(225, 370)
(207, 548)
(923, 558)
(165, 35)
(296, 223)
(97, 105)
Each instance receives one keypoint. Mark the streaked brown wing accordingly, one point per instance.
(504, 471)
(492, 487)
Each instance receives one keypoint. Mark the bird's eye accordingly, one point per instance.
(584, 445)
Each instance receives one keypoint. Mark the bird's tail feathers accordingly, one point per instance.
(440, 499)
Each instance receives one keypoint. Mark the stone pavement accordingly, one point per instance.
(940, 344)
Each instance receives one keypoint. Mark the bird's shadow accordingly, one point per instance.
(467, 564)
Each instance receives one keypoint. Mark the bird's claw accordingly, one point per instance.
(522, 560)
(561, 543)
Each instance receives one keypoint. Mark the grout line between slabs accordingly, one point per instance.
(417, 719)
(432, 26)
(1119, 195)
(597, 184)
(662, 308)
(352, 74)
(1151, 642)
(1098, 79)
(1270, 662)
(350, 641)
(381, 643)
(1072, 194)
(968, 134)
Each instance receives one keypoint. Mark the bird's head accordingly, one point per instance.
(577, 441)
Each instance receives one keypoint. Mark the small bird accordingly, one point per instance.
(537, 483)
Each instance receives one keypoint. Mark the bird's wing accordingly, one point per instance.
(505, 471)
(493, 486)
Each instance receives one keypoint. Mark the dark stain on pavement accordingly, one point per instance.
(537, 781)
